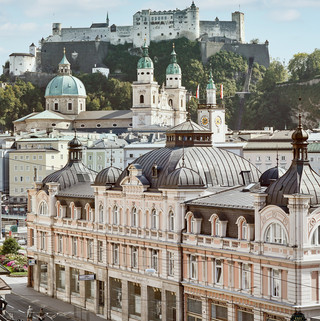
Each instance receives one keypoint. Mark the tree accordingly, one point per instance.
(276, 73)
(10, 246)
(298, 66)
(313, 64)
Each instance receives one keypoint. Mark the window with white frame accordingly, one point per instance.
(154, 259)
(60, 243)
(153, 219)
(134, 217)
(217, 227)
(90, 249)
(275, 283)
(115, 253)
(74, 246)
(43, 240)
(170, 263)
(43, 208)
(218, 271)
(193, 267)
(192, 225)
(315, 238)
(275, 233)
(242, 228)
(100, 251)
(134, 257)
(171, 221)
(245, 276)
(101, 213)
(115, 215)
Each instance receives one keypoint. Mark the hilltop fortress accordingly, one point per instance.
(155, 26)
(87, 47)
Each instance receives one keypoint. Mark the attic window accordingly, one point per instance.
(98, 125)
(246, 177)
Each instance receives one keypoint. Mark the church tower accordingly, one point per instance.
(176, 93)
(145, 94)
(212, 116)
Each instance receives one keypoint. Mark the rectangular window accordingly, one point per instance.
(40, 157)
(27, 157)
(43, 274)
(90, 249)
(245, 316)
(60, 243)
(90, 290)
(100, 251)
(56, 106)
(219, 312)
(15, 168)
(52, 156)
(61, 156)
(69, 106)
(154, 259)
(194, 310)
(115, 252)
(74, 246)
(275, 283)
(134, 257)
(43, 240)
(218, 272)
(134, 299)
(245, 277)
(60, 277)
(171, 263)
(193, 267)
(75, 285)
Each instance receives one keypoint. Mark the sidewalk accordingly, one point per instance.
(19, 287)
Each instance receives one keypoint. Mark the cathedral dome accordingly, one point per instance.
(184, 178)
(145, 61)
(173, 68)
(271, 174)
(108, 176)
(65, 85)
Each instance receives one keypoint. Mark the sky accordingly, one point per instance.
(290, 26)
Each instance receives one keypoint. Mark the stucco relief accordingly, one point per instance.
(313, 221)
(271, 214)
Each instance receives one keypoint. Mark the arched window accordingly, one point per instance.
(315, 239)
(154, 219)
(43, 208)
(89, 212)
(154, 99)
(101, 213)
(275, 234)
(115, 215)
(134, 217)
(215, 225)
(242, 228)
(141, 99)
(171, 221)
(170, 102)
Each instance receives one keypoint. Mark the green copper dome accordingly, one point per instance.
(65, 85)
(145, 61)
(211, 84)
(173, 68)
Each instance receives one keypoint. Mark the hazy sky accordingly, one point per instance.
(291, 26)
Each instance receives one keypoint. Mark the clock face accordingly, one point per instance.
(204, 121)
(218, 121)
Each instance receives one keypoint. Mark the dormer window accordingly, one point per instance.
(275, 233)
(154, 171)
(43, 208)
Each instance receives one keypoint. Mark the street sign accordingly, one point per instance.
(86, 277)
(31, 262)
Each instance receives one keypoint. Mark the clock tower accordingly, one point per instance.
(212, 116)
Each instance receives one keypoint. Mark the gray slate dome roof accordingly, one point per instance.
(73, 173)
(271, 174)
(184, 178)
(216, 167)
(300, 178)
(108, 176)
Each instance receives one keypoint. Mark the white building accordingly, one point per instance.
(20, 63)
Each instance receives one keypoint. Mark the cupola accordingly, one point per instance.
(145, 66)
(173, 72)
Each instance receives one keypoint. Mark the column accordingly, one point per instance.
(144, 302)
(68, 285)
(125, 299)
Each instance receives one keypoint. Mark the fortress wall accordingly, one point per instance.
(89, 53)
(259, 52)
(226, 29)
